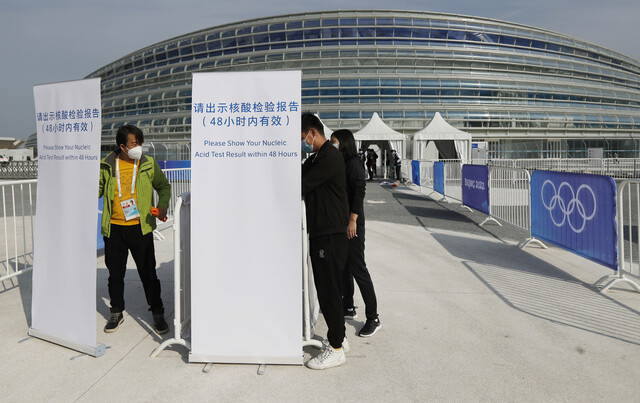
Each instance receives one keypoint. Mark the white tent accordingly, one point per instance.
(377, 132)
(451, 142)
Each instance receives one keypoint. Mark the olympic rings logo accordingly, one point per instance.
(567, 209)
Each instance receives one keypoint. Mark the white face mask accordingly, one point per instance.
(135, 153)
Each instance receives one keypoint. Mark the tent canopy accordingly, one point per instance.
(377, 132)
(451, 142)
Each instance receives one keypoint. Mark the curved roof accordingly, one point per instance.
(439, 129)
(376, 129)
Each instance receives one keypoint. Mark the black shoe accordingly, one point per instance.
(370, 328)
(114, 322)
(350, 313)
(160, 325)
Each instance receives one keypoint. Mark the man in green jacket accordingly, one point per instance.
(127, 181)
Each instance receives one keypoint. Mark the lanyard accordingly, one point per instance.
(133, 181)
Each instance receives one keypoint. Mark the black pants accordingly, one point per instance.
(398, 173)
(356, 269)
(328, 257)
(116, 250)
(370, 171)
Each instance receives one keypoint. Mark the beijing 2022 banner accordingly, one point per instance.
(415, 172)
(576, 212)
(438, 177)
(475, 187)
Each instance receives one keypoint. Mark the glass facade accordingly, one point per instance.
(505, 83)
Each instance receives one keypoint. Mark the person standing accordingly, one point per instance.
(325, 194)
(397, 164)
(127, 181)
(370, 163)
(356, 266)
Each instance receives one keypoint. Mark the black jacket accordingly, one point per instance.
(325, 192)
(356, 187)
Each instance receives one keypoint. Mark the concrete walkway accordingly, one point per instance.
(466, 316)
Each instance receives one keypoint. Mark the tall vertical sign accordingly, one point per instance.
(246, 249)
(68, 120)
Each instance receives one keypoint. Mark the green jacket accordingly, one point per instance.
(150, 177)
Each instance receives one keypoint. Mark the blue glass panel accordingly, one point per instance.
(211, 54)
(366, 21)
(328, 115)
(261, 28)
(407, 82)
(312, 23)
(553, 46)
(214, 45)
(430, 83)
(391, 114)
(246, 49)
(366, 32)
(348, 32)
(214, 35)
(491, 38)
(279, 45)
(409, 91)
(523, 42)
(295, 36)
(331, 33)
(347, 21)
(201, 47)
(244, 31)
(384, 21)
(277, 37)
(438, 34)
(201, 56)
(414, 114)
(261, 38)
(427, 92)
(328, 83)
(420, 33)
(245, 40)
(277, 27)
(294, 45)
(172, 53)
(228, 34)
(161, 56)
(507, 40)
(348, 42)
(389, 82)
(473, 36)
(349, 91)
(229, 43)
(366, 42)
(310, 93)
(208, 65)
(330, 23)
(349, 82)
(402, 32)
(384, 32)
(456, 35)
(294, 24)
(403, 21)
(450, 83)
(369, 82)
(312, 34)
(389, 91)
(231, 51)
(369, 91)
(187, 50)
(350, 115)
(384, 41)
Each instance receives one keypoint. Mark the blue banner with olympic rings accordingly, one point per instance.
(576, 212)
(415, 172)
(438, 177)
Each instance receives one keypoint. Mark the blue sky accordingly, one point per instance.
(59, 40)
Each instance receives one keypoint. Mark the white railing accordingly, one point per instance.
(453, 181)
(614, 167)
(510, 196)
(18, 214)
(16, 227)
(628, 203)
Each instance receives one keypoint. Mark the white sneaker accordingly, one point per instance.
(345, 344)
(329, 358)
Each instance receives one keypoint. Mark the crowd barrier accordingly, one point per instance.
(17, 223)
(18, 214)
(614, 167)
(182, 279)
(628, 213)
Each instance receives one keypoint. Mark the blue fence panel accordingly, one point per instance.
(576, 212)
(438, 177)
(475, 187)
(415, 172)
(177, 164)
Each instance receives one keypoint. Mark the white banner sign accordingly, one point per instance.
(68, 119)
(246, 277)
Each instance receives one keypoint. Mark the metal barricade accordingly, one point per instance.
(628, 203)
(426, 174)
(17, 228)
(180, 180)
(453, 181)
(509, 196)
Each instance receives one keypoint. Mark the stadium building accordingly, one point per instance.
(525, 91)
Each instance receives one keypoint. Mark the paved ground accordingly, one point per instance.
(466, 316)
